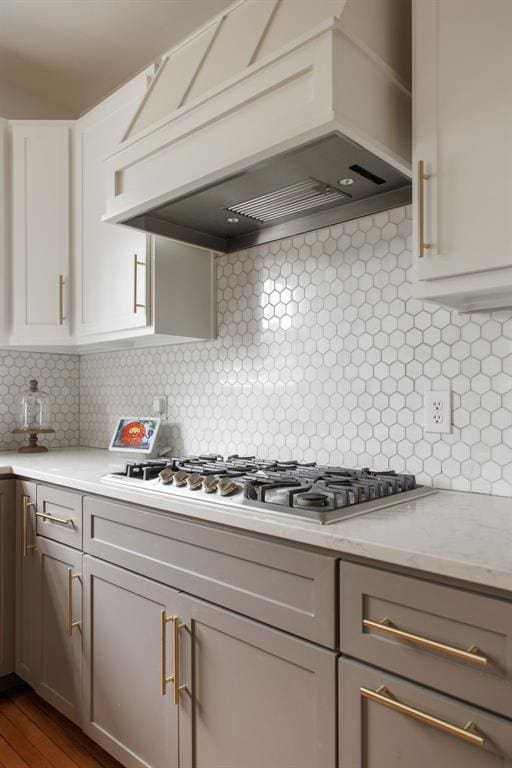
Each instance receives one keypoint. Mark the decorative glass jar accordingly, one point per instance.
(34, 408)
(33, 417)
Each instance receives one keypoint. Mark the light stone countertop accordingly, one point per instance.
(464, 536)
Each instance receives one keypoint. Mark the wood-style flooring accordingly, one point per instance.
(34, 735)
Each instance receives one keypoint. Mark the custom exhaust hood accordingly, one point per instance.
(278, 117)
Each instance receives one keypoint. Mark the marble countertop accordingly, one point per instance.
(464, 536)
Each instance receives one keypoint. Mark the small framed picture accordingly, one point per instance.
(135, 434)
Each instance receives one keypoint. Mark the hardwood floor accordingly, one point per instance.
(34, 735)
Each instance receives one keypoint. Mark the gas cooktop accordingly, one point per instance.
(319, 493)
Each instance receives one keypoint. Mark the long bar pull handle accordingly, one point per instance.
(61, 299)
(385, 627)
(178, 687)
(55, 519)
(70, 623)
(136, 264)
(422, 178)
(25, 546)
(383, 696)
(164, 679)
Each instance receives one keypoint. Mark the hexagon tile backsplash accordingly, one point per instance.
(59, 376)
(322, 354)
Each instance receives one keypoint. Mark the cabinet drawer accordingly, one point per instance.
(386, 722)
(449, 639)
(279, 585)
(59, 515)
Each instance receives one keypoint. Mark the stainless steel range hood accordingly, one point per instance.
(294, 193)
(314, 133)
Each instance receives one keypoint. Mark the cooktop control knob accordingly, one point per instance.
(180, 478)
(228, 487)
(194, 481)
(210, 484)
(166, 475)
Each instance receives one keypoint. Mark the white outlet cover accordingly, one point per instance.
(438, 411)
(160, 405)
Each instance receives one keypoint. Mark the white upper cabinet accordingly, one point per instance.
(40, 244)
(462, 132)
(122, 287)
(131, 288)
(112, 263)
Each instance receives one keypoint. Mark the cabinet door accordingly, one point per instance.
(463, 133)
(128, 707)
(386, 722)
(7, 549)
(40, 231)
(112, 261)
(254, 696)
(27, 604)
(60, 636)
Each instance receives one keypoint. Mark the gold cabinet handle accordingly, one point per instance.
(25, 547)
(384, 697)
(385, 627)
(70, 623)
(178, 687)
(164, 679)
(422, 178)
(61, 299)
(136, 264)
(174, 678)
(55, 519)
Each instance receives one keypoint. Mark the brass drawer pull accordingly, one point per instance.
(136, 264)
(55, 519)
(70, 623)
(384, 697)
(25, 547)
(422, 177)
(472, 654)
(164, 679)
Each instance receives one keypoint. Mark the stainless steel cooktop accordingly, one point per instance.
(319, 493)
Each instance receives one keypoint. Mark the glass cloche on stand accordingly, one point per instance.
(33, 417)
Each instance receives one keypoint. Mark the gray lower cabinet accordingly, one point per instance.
(27, 597)
(128, 707)
(158, 663)
(387, 722)
(7, 532)
(423, 631)
(287, 587)
(48, 643)
(59, 515)
(60, 632)
(254, 697)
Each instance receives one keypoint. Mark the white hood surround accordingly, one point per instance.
(263, 79)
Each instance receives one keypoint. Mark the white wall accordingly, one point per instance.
(19, 104)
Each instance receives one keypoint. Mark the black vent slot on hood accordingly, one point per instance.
(366, 174)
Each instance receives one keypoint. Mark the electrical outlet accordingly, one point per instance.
(438, 411)
(160, 406)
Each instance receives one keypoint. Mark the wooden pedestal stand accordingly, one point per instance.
(33, 446)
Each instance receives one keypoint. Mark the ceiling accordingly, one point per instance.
(75, 52)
